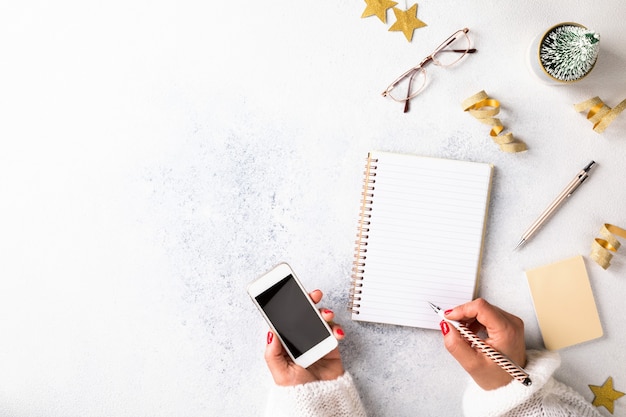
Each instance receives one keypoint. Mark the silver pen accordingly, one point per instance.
(558, 202)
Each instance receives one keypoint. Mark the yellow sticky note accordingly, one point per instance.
(564, 303)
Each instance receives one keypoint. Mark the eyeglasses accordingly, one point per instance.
(412, 82)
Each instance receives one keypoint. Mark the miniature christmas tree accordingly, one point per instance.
(569, 52)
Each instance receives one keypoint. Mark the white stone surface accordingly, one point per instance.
(158, 156)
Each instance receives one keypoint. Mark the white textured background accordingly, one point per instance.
(158, 156)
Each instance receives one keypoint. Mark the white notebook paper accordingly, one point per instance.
(421, 228)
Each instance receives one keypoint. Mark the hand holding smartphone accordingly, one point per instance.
(292, 316)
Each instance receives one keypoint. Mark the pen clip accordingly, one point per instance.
(582, 176)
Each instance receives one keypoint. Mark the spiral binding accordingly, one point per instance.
(360, 250)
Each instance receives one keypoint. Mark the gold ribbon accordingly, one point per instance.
(602, 247)
(484, 108)
(599, 113)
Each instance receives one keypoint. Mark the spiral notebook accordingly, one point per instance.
(421, 227)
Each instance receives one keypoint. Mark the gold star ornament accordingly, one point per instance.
(378, 8)
(406, 21)
(605, 395)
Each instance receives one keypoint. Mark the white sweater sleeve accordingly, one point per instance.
(545, 397)
(337, 398)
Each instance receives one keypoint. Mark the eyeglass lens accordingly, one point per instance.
(409, 86)
(453, 51)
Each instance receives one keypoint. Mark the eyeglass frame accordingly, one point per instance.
(420, 67)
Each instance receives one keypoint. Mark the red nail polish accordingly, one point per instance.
(444, 327)
(447, 312)
(328, 311)
(340, 332)
(270, 337)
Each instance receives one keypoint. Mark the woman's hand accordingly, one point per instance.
(505, 333)
(285, 372)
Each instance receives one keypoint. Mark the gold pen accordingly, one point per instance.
(558, 202)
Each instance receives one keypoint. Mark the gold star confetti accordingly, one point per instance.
(605, 395)
(407, 21)
(378, 8)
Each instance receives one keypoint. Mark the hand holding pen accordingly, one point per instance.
(505, 338)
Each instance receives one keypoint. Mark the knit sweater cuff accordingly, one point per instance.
(480, 403)
(335, 398)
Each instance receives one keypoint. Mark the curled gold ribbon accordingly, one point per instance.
(484, 108)
(602, 247)
(599, 113)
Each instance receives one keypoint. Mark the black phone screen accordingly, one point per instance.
(293, 317)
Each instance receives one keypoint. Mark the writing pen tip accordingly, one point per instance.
(519, 244)
(434, 307)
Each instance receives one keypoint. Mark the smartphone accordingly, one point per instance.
(292, 316)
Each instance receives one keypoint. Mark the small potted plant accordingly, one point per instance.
(565, 53)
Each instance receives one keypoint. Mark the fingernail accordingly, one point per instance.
(340, 332)
(327, 311)
(270, 337)
(447, 312)
(444, 327)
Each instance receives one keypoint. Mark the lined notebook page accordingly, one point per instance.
(423, 239)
